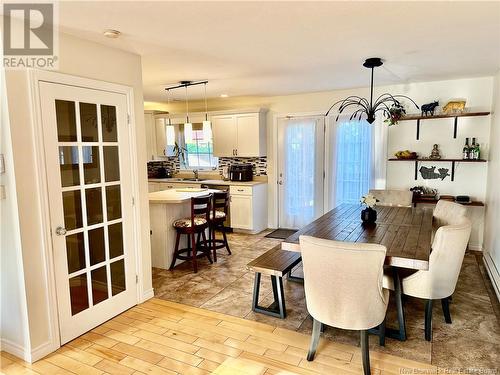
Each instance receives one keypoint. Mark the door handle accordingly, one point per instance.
(60, 231)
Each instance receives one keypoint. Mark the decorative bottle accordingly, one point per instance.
(472, 149)
(477, 152)
(465, 151)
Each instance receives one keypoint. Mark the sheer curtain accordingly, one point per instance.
(354, 164)
(301, 166)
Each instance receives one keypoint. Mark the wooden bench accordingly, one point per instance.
(275, 263)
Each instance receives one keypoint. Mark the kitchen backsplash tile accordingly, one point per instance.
(173, 165)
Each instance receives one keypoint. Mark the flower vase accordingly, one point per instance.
(369, 215)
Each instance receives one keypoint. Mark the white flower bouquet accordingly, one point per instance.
(369, 200)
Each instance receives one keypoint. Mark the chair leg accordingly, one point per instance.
(381, 333)
(177, 239)
(428, 320)
(212, 243)
(193, 251)
(206, 250)
(365, 352)
(316, 333)
(445, 303)
(225, 241)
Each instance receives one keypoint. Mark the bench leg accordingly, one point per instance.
(277, 308)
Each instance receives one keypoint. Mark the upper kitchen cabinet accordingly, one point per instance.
(241, 134)
(149, 125)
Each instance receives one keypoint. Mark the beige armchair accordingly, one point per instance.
(343, 287)
(398, 198)
(439, 282)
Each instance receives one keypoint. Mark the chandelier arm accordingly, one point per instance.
(350, 104)
(362, 102)
(407, 97)
(385, 97)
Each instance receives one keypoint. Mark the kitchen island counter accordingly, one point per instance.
(165, 207)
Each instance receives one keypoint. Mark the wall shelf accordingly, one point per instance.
(452, 161)
(434, 201)
(455, 116)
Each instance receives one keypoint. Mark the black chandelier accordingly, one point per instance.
(385, 103)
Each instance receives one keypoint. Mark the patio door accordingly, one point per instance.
(301, 144)
(87, 154)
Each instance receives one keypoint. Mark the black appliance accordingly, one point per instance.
(241, 172)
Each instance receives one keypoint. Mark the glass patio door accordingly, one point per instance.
(87, 153)
(301, 170)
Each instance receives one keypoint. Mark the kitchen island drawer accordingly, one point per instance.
(240, 190)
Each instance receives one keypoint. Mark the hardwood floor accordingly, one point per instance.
(163, 337)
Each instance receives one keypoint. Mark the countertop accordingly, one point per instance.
(173, 196)
(209, 182)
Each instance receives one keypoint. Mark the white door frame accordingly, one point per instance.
(275, 164)
(36, 76)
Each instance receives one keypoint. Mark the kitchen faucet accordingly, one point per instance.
(195, 171)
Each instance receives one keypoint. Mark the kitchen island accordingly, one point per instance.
(165, 207)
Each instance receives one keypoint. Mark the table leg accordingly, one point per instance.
(400, 333)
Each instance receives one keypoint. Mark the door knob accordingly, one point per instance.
(60, 231)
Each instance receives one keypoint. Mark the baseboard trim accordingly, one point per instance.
(15, 349)
(43, 350)
(148, 294)
(475, 247)
(493, 273)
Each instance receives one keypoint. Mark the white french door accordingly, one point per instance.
(300, 170)
(87, 154)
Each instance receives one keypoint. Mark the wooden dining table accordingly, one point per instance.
(406, 232)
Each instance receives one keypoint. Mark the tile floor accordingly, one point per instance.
(471, 341)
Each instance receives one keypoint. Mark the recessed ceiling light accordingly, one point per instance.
(113, 34)
(224, 95)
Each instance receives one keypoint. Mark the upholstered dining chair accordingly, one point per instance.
(343, 287)
(397, 198)
(447, 213)
(445, 262)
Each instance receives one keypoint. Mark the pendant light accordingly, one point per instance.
(207, 125)
(385, 103)
(169, 129)
(188, 127)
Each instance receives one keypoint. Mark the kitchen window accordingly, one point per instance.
(199, 151)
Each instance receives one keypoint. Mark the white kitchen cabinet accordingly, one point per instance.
(248, 208)
(158, 186)
(161, 140)
(239, 135)
(149, 125)
(153, 186)
(224, 135)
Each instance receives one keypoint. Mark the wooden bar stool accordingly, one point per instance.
(218, 215)
(192, 226)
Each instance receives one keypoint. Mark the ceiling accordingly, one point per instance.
(280, 48)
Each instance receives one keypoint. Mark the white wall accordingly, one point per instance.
(86, 59)
(13, 313)
(492, 221)
(469, 178)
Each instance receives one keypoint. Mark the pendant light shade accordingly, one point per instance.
(188, 127)
(207, 125)
(170, 135)
(188, 132)
(207, 130)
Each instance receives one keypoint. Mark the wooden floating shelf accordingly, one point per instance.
(452, 161)
(443, 115)
(438, 160)
(434, 201)
(455, 116)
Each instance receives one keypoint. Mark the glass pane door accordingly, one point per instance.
(88, 210)
(300, 179)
